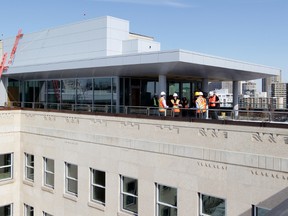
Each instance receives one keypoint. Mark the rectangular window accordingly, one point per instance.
(129, 194)
(166, 200)
(98, 186)
(29, 167)
(259, 211)
(6, 210)
(210, 205)
(28, 210)
(71, 179)
(6, 166)
(46, 214)
(48, 172)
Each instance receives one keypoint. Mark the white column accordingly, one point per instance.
(3, 91)
(205, 87)
(162, 84)
(235, 98)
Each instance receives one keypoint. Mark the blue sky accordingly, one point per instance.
(247, 30)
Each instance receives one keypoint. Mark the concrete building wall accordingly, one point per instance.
(244, 165)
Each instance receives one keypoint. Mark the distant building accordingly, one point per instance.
(280, 90)
(266, 83)
(249, 88)
(226, 98)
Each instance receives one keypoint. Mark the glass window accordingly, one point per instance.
(6, 210)
(174, 87)
(98, 186)
(84, 91)
(102, 91)
(129, 194)
(148, 90)
(48, 172)
(40, 93)
(29, 167)
(71, 179)
(68, 92)
(6, 166)
(259, 211)
(14, 90)
(210, 205)
(29, 91)
(166, 200)
(28, 210)
(53, 91)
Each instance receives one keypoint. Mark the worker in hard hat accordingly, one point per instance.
(162, 104)
(175, 101)
(214, 104)
(201, 104)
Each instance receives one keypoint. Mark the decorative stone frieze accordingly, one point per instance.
(6, 115)
(168, 128)
(98, 122)
(30, 115)
(72, 120)
(269, 137)
(212, 165)
(50, 117)
(211, 132)
(130, 125)
(269, 174)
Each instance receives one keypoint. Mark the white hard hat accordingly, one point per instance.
(201, 93)
(162, 93)
(175, 95)
(211, 93)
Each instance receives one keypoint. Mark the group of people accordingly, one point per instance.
(199, 102)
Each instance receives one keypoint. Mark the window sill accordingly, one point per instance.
(6, 181)
(125, 214)
(98, 206)
(29, 183)
(70, 197)
(47, 189)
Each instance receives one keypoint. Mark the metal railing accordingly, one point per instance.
(221, 114)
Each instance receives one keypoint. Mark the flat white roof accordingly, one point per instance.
(173, 63)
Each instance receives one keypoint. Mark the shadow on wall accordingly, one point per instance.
(278, 203)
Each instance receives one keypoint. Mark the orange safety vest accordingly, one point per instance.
(212, 101)
(161, 105)
(201, 104)
(175, 105)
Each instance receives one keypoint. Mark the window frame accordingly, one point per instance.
(158, 202)
(28, 208)
(95, 186)
(256, 209)
(48, 172)
(46, 214)
(11, 208)
(70, 178)
(29, 166)
(9, 166)
(128, 194)
(201, 204)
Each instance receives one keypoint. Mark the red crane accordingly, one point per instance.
(12, 54)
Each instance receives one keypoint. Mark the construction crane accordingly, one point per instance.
(12, 54)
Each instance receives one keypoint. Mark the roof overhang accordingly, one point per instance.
(174, 64)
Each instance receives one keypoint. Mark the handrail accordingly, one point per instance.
(222, 114)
